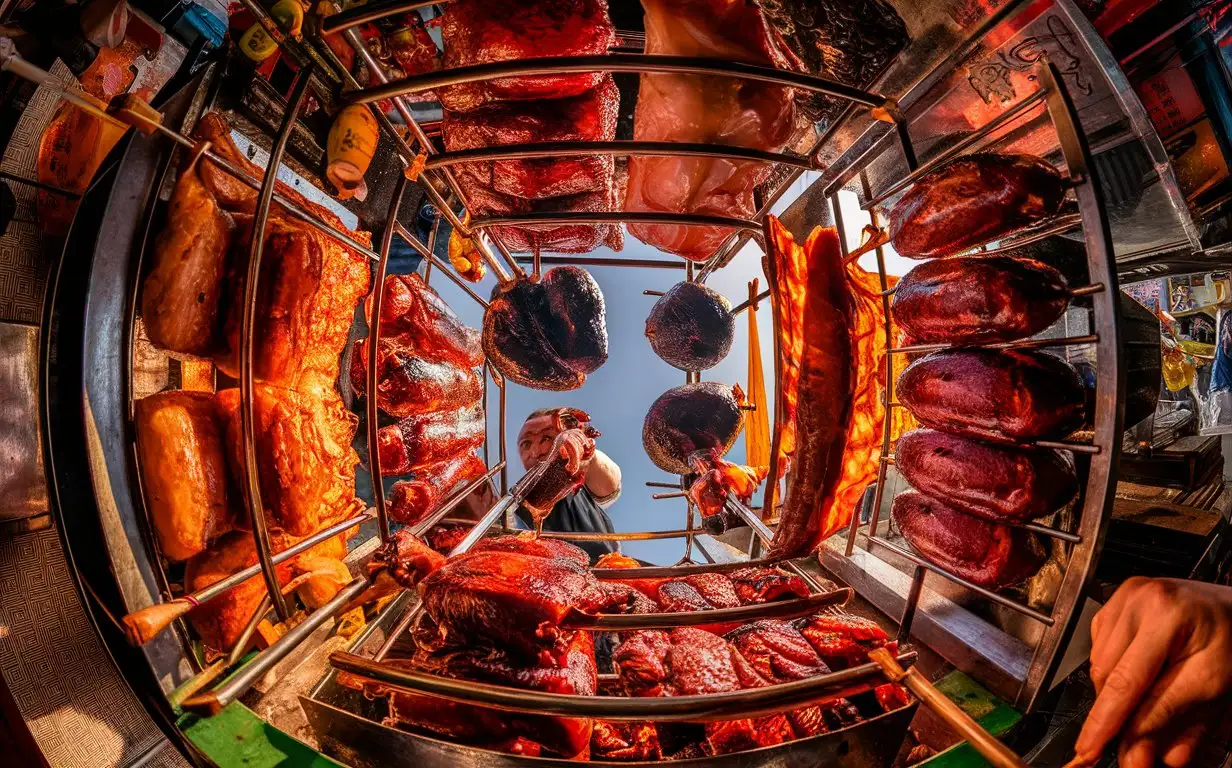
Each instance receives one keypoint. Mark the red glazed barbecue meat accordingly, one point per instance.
(410, 385)
(1002, 484)
(412, 500)
(414, 316)
(429, 438)
(482, 32)
(987, 554)
(973, 200)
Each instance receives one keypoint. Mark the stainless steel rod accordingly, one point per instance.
(616, 148)
(614, 62)
(583, 261)
(655, 571)
(780, 609)
(1019, 344)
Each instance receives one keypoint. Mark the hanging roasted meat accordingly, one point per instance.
(410, 385)
(429, 438)
(547, 333)
(181, 445)
(482, 32)
(590, 116)
(691, 327)
(412, 500)
(979, 299)
(415, 316)
(305, 461)
(407, 559)
(717, 478)
(987, 554)
(973, 200)
(1005, 396)
(709, 109)
(998, 483)
(690, 418)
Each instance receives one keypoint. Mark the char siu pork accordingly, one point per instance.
(979, 299)
(691, 418)
(412, 500)
(973, 200)
(1005, 396)
(429, 438)
(691, 327)
(415, 316)
(988, 554)
(410, 385)
(705, 108)
(547, 333)
(1002, 484)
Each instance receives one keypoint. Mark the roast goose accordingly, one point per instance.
(987, 554)
(547, 333)
(972, 200)
(691, 327)
(978, 300)
(693, 417)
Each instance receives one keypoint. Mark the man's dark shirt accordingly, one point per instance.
(578, 513)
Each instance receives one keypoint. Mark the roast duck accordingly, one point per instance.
(691, 327)
(547, 332)
(516, 110)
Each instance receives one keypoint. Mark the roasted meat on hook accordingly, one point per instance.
(412, 500)
(547, 333)
(414, 316)
(690, 418)
(718, 478)
(972, 200)
(691, 327)
(409, 385)
(429, 438)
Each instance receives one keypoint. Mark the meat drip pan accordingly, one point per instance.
(348, 728)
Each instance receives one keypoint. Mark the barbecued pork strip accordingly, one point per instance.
(417, 318)
(1005, 396)
(412, 500)
(590, 116)
(979, 299)
(410, 385)
(417, 442)
(709, 109)
(1001, 484)
(973, 200)
(482, 32)
(987, 554)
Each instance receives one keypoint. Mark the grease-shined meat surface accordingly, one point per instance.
(764, 585)
(691, 418)
(417, 318)
(428, 438)
(691, 327)
(535, 546)
(412, 500)
(972, 200)
(843, 640)
(409, 385)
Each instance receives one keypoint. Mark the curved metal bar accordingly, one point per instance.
(251, 472)
(354, 17)
(374, 341)
(713, 707)
(614, 217)
(615, 148)
(430, 257)
(615, 62)
(781, 609)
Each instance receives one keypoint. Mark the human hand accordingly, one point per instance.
(1161, 661)
(577, 449)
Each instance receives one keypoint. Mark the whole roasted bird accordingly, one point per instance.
(695, 417)
(547, 333)
(410, 385)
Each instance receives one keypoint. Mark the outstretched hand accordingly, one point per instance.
(1161, 661)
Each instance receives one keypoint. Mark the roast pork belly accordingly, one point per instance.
(988, 554)
(415, 316)
(429, 438)
(997, 483)
(691, 418)
(1005, 396)
(973, 200)
(691, 327)
(547, 334)
(590, 116)
(978, 299)
(709, 109)
(412, 500)
(483, 32)
(410, 385)
(535, 546)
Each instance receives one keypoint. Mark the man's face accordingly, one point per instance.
(535, 440)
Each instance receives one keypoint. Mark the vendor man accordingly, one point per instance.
(584, 511)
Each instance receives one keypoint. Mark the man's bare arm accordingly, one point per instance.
(602, 476)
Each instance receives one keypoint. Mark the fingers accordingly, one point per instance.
(572, 456)
(1125, 685)
(1138, 753)
(1178, 694)
(1181, 751)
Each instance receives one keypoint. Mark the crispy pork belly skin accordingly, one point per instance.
(708, 109)
(182, 299)
(691, 327)
(410, 385)
(590, 116)
(482, 32)
(997, 483)
(1005, 396)
(990, 555)
(412, 500)
(417, 318)
(304, 456)
(547, 334)
(181, 445)
(973, 200)
(429, 438)
(979, 299)
(690, 418)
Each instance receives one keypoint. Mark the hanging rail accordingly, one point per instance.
(615, 148)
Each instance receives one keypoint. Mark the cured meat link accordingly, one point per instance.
(690, 418)
(430, 438)
(417, 318)
(1005, 396)
(972, 200)
(979, 299)
(998, 483)
(825, 389)
(409, 385)
(412, 500)
(990, 555)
